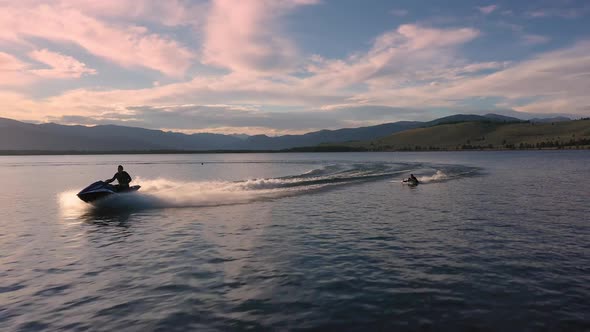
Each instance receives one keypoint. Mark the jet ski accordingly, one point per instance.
(101, 189)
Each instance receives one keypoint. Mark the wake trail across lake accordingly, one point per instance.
(166, 193)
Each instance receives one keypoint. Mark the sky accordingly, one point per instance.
(289, 66)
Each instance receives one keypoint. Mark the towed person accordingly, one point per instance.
(122, 177)
(412, 179)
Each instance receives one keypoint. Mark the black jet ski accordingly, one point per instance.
(101, 189)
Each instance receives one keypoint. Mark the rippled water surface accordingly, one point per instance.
(495, 241)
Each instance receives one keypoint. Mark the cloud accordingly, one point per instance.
(61, 66)
(418, 37)
(399, 12)
(553, 82)
(227, 119)
(217, 118)
(486, 10)
(244, 36)
(579, 105)
(562, 11)
(409, 53)
(18, 106)
(168, 13)
(241, 89)
(10, 63)
(16, 73)
(531, 39)
(519, 31)
(126, 45)
(562, 71)
(13, 72)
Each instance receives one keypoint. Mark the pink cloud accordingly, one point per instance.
(418, 37)
(61, 66)
(557, 104)
(244, 36)
(486, 10)
(10, 63)
(13, 72)
(18, 106)
(170, 12)
(128, 46)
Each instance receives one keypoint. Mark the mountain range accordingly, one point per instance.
(21, 136)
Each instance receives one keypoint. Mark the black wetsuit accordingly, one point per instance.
(123, 178)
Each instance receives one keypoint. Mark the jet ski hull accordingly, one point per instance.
(99, 190)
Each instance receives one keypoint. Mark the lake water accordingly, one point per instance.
(490, 241)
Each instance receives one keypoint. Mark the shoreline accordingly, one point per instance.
(294, 150)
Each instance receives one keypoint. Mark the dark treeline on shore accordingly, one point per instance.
(78, 152)
(550, 145)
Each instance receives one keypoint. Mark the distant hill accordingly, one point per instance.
(502, 118)
(20, 136)
(16, 135)
(263, 142)
(529, 116)
(457, 118)
(481, 135)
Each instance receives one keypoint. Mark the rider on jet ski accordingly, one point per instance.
(122, 177)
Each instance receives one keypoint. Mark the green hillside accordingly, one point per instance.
(485, 135)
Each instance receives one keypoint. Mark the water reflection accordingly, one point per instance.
(73, 212)
(107, 218)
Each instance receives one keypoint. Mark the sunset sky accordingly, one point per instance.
(289, 66)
